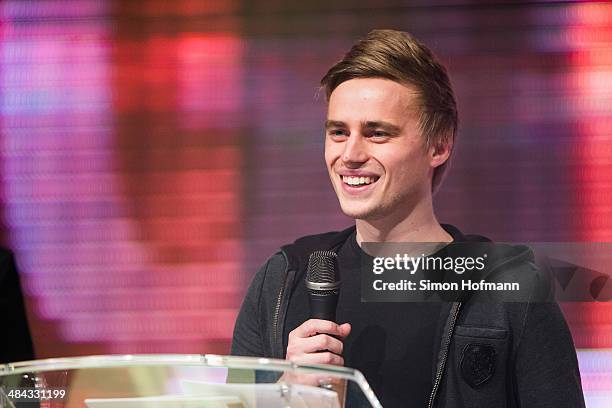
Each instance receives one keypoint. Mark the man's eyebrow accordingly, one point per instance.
(389, 127)
(334, 123)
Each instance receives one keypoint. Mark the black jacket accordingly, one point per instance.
(528, 353)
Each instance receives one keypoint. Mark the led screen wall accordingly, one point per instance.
(153, 154)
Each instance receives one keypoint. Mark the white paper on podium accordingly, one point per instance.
(266, 395)
(167, 401)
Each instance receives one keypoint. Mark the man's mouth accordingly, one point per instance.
(355, 181)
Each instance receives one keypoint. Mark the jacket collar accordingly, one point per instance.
(297, 253)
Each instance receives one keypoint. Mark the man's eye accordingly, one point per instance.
(337, 132)
(379, 133)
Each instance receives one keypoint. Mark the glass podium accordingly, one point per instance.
(180, 381)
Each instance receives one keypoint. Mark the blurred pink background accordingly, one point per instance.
(153, 154)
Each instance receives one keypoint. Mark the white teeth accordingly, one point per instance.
(356, 181)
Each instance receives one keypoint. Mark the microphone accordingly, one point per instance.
(323, 284)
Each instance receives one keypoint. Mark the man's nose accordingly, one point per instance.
(355, 150)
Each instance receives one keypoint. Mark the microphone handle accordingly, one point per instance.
(323, 307)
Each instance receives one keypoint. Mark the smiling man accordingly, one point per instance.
(389, 133)
(380, 165)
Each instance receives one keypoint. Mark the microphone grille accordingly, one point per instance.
(323, 267)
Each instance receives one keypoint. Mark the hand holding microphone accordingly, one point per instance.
(319, 339)
(317, 342)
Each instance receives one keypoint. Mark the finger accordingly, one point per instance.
(312, 327)
(345, 329)
(319, 358)
(320, 342)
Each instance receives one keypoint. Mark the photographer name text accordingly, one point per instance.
(427, 285)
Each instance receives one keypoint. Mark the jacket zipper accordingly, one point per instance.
(445, 349)
(276, 337)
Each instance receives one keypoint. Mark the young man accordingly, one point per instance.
(390, 128)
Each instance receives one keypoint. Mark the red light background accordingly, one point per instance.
(155, 153)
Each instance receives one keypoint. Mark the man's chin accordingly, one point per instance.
(358, 212)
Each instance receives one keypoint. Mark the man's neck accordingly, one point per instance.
(423, 227)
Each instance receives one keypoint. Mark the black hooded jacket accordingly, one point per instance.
(528, 352)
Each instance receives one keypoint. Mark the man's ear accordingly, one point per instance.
(439, 153)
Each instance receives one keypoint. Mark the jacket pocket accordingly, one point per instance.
(480, 363)
(481, 332)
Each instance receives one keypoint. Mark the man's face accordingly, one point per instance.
(375, 154)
